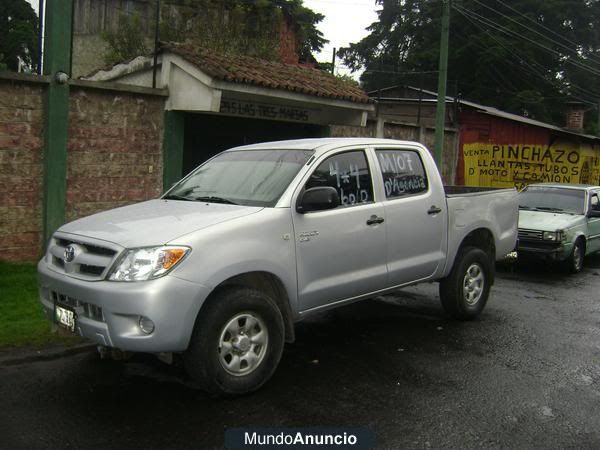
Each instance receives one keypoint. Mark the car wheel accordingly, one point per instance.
(574, 263)
(465, 291)
(237, 342)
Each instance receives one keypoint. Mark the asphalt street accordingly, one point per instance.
(525, 375)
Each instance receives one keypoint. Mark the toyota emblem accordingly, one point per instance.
(69, 254)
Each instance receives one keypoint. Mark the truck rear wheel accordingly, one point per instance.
(465, 291)
(237, 342)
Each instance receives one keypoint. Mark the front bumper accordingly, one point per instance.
(108, 312)
(544, 250)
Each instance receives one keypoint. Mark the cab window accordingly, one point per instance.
(594, 202)
(349, 174)
(403, 173)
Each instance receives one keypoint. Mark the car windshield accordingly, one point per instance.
(243, 177)
(571, 201)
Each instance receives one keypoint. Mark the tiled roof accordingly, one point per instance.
(269, 74)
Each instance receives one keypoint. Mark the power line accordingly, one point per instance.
(540, 24)
(526, 66)
(530, 29)
(491, 23)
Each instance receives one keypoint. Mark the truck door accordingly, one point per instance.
(340, 252)
(416, 215)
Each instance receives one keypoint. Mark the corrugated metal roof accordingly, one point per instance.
(487, 110)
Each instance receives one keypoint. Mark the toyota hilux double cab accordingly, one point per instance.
(220, 267)
(559, 222)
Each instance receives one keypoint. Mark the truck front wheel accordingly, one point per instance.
(465, 291)
(237, 342)
(574, 263)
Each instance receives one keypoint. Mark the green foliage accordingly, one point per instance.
(19, 35)
(127, 42)
(486, 64)
(21, 319)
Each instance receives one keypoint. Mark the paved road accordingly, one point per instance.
(527, 374)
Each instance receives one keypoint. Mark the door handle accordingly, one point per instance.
(374, 220)
(434, 210)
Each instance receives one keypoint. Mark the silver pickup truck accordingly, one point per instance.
(221, 267)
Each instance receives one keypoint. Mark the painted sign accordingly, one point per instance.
(259, 110)
(517, 165)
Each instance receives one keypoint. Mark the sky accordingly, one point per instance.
(345, 22)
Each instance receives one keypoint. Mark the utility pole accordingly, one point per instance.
(440, 114)
(333, 62)
(598, 124)
(57, 66)
(156, 41)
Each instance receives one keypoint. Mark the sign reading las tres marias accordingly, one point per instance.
(521, 164)
(260, 110)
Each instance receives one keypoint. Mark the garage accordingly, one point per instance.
(219, 101)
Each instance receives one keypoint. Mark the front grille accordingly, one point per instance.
(81, 308)
(90, 260)
(530, 235)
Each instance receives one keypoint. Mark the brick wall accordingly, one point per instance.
(114, 158)
(288, 42)
(114, 150)
(21, 174)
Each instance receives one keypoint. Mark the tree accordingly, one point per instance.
(525, 56)
(19, 35)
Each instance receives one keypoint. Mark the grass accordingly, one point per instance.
(22, 322)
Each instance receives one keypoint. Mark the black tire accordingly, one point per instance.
(203, 359)
(467, 302)
(574, 263)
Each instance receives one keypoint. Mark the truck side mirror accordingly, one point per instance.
(317, 199)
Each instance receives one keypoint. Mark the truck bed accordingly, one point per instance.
(461, 191)
(471, 208)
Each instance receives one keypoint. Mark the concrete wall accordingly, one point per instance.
(114, 157)
(409, 132)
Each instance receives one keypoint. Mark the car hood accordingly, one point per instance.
(547, 221)
(154, 222)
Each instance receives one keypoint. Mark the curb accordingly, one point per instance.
(45, 354)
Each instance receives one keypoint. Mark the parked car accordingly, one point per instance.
(257, 238)
(559, 222)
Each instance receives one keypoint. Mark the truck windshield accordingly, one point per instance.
(243, 177)
(553, 199)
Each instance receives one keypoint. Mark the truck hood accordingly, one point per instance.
(547, 221)
(154, 222)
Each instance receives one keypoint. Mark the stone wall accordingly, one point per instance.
(114, 157)
(21, 169)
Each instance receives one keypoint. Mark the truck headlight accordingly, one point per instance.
(147, 263)
(554, 236)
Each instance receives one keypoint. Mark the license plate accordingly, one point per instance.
(65, 317)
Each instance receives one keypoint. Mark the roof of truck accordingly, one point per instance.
(321, 144)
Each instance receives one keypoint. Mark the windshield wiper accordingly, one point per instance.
(177, 197)
(212, 199)
(526, 207)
